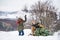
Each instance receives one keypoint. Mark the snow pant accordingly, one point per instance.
(21, 32)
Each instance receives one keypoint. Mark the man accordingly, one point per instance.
(36, 28)
(21, 26)
(33, 27)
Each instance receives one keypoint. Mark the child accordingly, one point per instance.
(21, 26)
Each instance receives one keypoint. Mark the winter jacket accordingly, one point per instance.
(20, 24)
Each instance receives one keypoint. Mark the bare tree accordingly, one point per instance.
(45, 12)
(25, 9)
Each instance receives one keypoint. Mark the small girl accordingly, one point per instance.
(21, 26)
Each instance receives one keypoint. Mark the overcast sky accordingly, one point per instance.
(15, 5)
(11, 5)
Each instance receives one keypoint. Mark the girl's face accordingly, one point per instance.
(20, 20)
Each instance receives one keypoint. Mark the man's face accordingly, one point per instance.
(33, 22)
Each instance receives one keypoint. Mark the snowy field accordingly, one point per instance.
(13, 35)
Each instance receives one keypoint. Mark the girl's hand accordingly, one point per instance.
(25, 15)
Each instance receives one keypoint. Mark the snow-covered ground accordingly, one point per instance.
(13, 35)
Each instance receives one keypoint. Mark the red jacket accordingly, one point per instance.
(17, 22)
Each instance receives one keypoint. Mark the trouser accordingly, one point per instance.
(33, 29)
(21, 32)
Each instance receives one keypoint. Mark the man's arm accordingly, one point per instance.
(25, 19)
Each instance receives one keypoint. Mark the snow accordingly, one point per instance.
(13, 35)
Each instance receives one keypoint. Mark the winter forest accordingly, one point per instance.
(38, 20)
